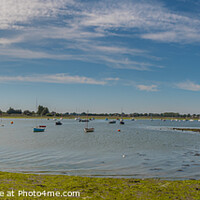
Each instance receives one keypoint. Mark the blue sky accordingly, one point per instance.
(101, 56)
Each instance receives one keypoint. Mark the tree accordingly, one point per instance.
(45, 111)
(13, 111)
(27, 112)
(42, 110)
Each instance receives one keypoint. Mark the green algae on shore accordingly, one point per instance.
(98, 188)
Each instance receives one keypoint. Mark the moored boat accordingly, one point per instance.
(88, 130)
(83, 120)
(121, 121)
(58, 123)
(38, 129)
(112, 122)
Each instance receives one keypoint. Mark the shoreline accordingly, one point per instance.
(101, 188)
(95, 117)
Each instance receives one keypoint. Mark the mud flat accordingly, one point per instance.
(187, 129)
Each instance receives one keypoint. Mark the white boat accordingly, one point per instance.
(121, 121)
(88, 130)
(77, 118)
(1, 124)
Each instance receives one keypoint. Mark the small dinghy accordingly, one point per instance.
(38, 129)
(58, 123)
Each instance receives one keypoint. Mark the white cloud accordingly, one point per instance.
(188, 85)
(14, 12)
(82, 26)
(180, 35)
(153, 20)
(149, 88)
(55, 78)
(8, 41)
(118, 63)
(112, 79)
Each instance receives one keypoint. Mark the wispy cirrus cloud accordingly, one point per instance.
(16, 13)
(148, 88)
(83, 29)
(8, 41)
(146, 19)
(57, 78)
(149, 17)
(111, 61)
(188, 85)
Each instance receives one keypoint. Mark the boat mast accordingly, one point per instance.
(87, 120)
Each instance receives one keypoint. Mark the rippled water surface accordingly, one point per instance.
(142, 149)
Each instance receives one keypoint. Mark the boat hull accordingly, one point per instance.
(83, 120)
(42, 126)
(38, 129)
(88, 130)
(58, 123)
(112, 122)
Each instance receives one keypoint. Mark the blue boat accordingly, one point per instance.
(37, 129)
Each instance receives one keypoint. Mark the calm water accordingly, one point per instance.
(142, 149)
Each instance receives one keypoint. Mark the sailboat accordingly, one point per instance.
(38, 128)
(121, 120)
(42, 126)
(1, 121)
(58, 122)
(87, 129)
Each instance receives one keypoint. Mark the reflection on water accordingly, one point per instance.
(142, 149)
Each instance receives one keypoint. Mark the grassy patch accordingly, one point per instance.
(99, 188)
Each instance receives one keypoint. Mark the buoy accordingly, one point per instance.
(118, 130)
(11, 122)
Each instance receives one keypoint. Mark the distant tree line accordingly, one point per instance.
(41, 111)
(13, 111)
(44, 111)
